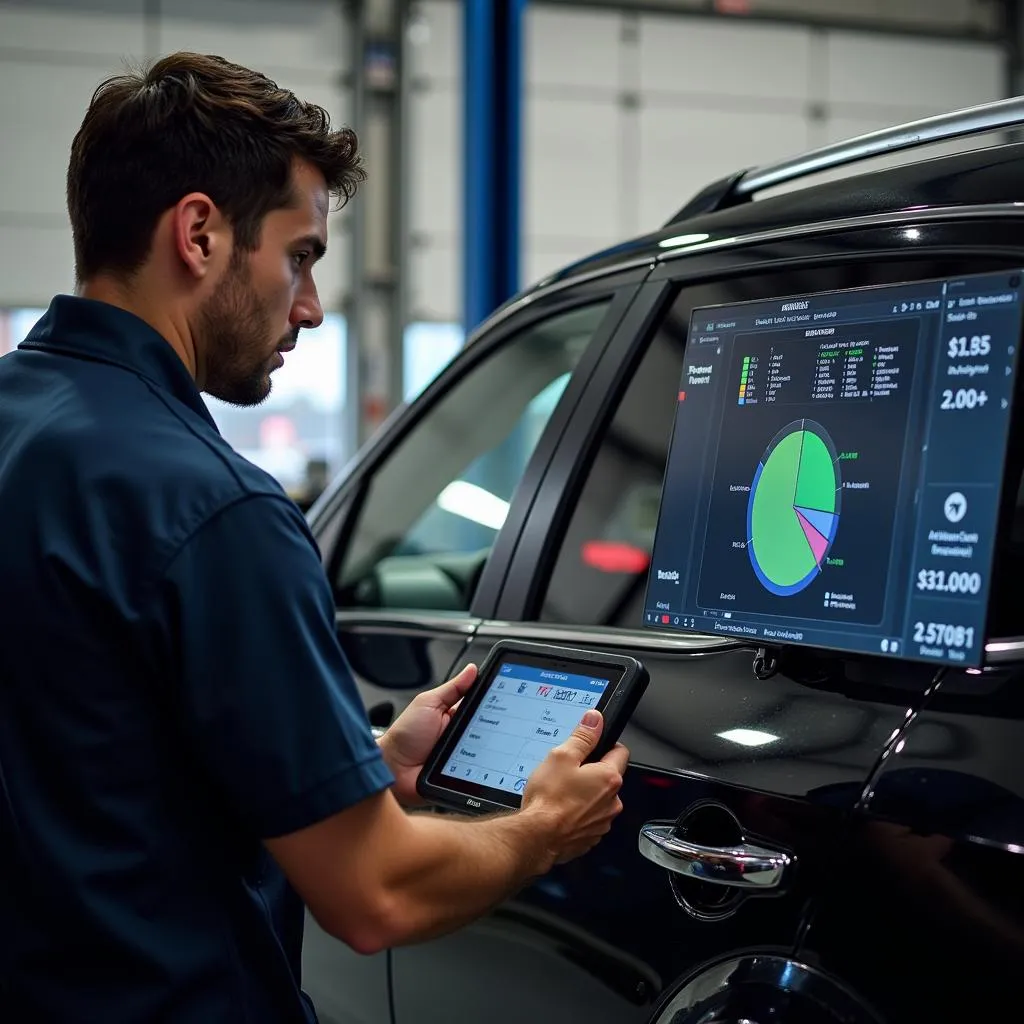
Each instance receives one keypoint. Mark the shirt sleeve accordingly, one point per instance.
(264, 688)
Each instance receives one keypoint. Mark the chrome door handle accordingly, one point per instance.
(743, 866)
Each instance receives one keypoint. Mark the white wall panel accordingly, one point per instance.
(716, 59)
(435, 169)
(37, 135)
(899, 72)
(434, 160)
(539, 263)
(331, 274)
(573, 48)
(37, 263)
(931, 13)
(572, 169)
(435, 40)
(681, 151)
(305, 36)
(435, 290)
(100, 27)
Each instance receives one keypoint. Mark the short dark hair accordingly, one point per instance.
(192, 123)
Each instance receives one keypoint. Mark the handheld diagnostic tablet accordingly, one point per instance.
(527, 699)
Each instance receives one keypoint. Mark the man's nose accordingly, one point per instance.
(307, 312)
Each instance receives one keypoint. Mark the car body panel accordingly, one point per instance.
(932, 870)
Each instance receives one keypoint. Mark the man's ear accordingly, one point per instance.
(202, 236)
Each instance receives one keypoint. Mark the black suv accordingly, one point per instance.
(808, 837)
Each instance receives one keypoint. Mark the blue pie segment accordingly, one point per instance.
(823, 522)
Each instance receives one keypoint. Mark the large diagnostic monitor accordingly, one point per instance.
(836, 469)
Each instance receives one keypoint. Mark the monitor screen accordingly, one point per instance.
(525, 712)
(836, 467)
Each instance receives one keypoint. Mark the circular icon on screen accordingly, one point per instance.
(955, 507)
(520, 785)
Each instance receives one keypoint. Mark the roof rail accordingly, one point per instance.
(984, 117)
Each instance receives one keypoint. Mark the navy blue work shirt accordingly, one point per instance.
(172, 691)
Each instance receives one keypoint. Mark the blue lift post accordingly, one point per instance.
(492, 154)
(492, 42)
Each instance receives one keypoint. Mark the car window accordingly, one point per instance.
(434, 508)
(601, 569)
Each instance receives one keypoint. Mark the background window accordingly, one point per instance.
(427, 348)
(435, 507)
(297, 434)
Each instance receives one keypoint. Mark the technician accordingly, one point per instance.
(184, 759)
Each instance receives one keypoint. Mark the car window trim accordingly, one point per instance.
(397, 621)
(565, 471)
(492, 579)
(686, 645)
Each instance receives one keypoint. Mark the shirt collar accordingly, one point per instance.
(104, 333)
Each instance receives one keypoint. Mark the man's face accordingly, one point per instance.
(257, 309)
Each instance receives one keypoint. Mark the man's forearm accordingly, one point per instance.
(459, 868)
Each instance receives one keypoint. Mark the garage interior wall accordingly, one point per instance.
(629, 114)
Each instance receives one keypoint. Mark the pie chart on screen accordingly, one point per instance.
(794, 507)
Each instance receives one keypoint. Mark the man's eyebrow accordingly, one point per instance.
(313, 242)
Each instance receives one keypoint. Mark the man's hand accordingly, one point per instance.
(577, 801)
(412, 736)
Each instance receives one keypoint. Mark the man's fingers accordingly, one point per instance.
(618, 758)
(447, 695)
(582, 740)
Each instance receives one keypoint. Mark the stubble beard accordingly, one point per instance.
(236, 333)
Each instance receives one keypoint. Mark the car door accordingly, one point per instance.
(417, 536)
(725, 755)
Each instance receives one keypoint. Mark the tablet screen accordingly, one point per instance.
(525, 711)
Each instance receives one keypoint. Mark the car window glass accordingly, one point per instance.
(601, 570)
(434, 508)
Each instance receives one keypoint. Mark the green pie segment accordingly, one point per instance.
(791, 513)
(816, 477)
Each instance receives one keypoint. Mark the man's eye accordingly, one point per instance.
(299, 258)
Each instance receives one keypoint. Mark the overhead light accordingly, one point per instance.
(474, 503)
(913, 234)
(747, 737)
(677, 240)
